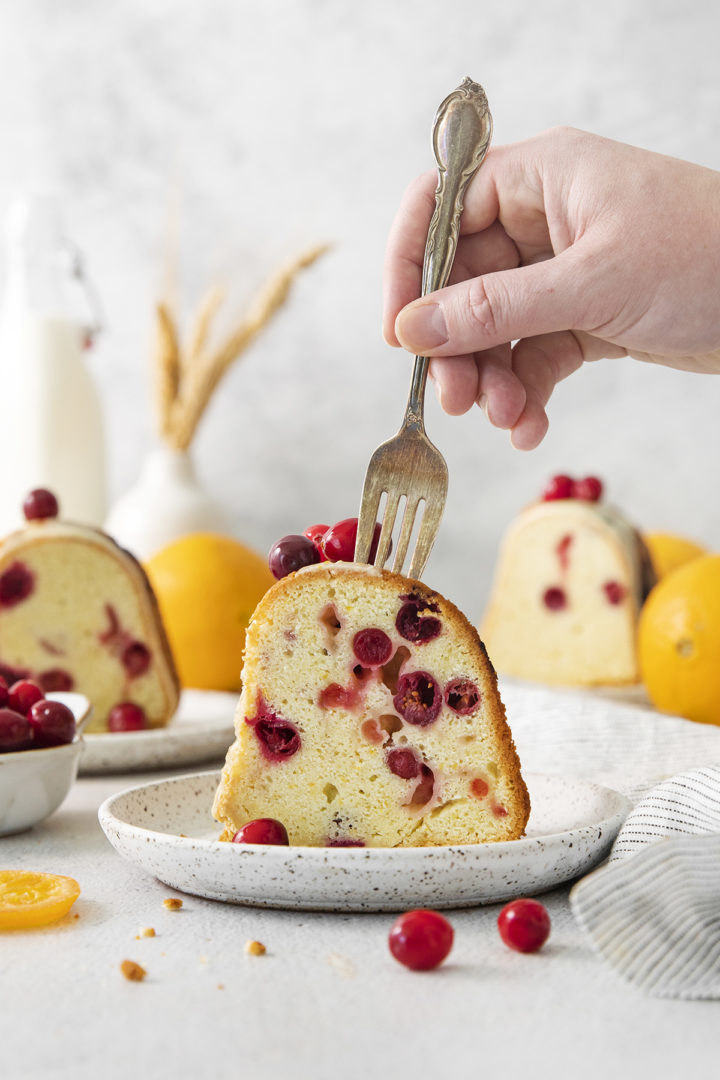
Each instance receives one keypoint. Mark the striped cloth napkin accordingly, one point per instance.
(653, 910)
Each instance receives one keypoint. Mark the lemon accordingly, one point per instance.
(29, 898)
(668, 552)
(207, 587)
(679, 641)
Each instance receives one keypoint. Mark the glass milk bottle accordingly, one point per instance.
(52, 431)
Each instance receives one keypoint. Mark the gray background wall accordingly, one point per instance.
(273, 126)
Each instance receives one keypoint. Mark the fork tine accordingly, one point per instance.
(405, 534)
(391, 508)
(426, 536)
(372, 494)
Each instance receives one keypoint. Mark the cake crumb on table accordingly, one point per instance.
(147, 931)
(172, 903)
(132, 971)
(255, 948)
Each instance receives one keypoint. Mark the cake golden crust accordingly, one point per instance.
(374, 769)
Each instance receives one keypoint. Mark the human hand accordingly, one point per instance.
(576, 248)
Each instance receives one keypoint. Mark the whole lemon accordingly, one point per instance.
(207, 587)
(668, 552)
(679, 641)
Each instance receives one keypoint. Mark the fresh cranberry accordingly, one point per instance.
(3, 692)
(418, 698)
(127, 716)
(559, 487)
(462, 696)
(413, 621)
(15, 731)
(338, 544)
(524, 925)
(479, 787)
(372, 647)
(264, 830)
(23, 694)
(615, 592)
(16, 584)
(40, 504)
(56, 679)
(278, 738)
(316, 534)
(345, 842)
(554, 598)
(589, 488)
(421, 939)
(403, 763)
(291, 553)
(136, 659)
(52, 723)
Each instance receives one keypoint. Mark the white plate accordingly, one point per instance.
(167, 829)
(200, 732)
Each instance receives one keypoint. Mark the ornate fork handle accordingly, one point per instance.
(461, 137)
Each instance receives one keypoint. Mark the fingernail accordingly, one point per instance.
(421, 327)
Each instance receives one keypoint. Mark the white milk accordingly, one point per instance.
(51, 431)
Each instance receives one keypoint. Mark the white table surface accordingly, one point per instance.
(327, 1000)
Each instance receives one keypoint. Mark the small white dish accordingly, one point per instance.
(166, 828)
(200, 732)
(33, 783)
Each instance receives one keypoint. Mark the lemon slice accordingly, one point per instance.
(28, 898)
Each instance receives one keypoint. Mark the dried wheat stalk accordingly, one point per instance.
(188, 378)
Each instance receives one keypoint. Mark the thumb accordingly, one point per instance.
(486, 311)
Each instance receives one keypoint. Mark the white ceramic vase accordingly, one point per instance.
(166, 502)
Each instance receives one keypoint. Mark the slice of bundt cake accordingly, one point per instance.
(77, 613)
(571, 577)
(369, 716)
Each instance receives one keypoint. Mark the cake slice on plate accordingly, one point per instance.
(571, 578)
(77, 613)
(369, 716)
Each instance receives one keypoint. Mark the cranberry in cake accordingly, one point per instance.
(369, 716)
(571, 577)
(77, 613)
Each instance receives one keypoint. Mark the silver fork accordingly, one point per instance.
(408, 465)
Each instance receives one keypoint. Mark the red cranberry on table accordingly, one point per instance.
(291, 553)
(262, 831)
(421, 939)
(127, 716)
(589, 488)
(559, 487)
(524, 925)
(52, 723)
(23, 694)
(40, 504)
(15, 731)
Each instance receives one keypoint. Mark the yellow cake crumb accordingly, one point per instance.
(255, 948)
(172, 903)
(147, 931)
(132, 971)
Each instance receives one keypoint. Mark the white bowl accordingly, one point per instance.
(33, 783)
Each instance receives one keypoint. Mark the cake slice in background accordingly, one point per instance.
(571, 578)
(369, 716)
(77, 613)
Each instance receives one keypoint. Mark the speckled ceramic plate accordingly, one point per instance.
(166, 828)
(200, 732)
